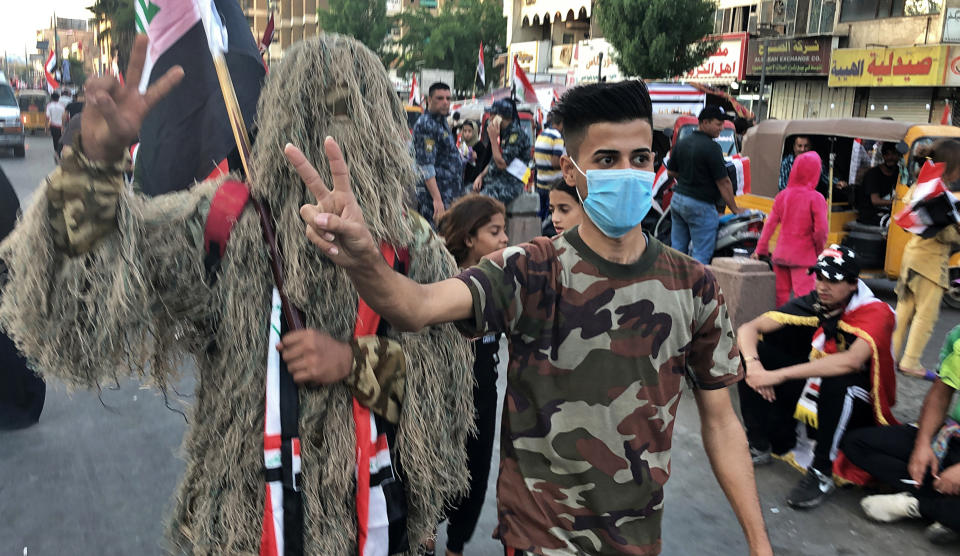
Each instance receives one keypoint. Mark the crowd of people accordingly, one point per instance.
(604, 324)
(63, 108)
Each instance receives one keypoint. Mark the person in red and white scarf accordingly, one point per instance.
(848, 381)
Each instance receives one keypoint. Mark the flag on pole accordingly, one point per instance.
(932, 206)
(522, 84)
(267, 36)
(947, 117)
(481, 71)
(188, 133)
(414, 92)
(48, 69)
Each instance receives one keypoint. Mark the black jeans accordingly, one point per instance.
(884, 452)
(55, 133)
(462, 518)
(771, 425)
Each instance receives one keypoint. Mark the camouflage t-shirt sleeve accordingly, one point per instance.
(497, 285)
(378, 378)
(713, 360)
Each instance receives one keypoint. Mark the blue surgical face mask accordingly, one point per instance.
(617, 200)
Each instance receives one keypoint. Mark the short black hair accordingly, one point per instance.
(55, 96)
(888, 147)
(583, 106)
(438, 86)
(560, 185)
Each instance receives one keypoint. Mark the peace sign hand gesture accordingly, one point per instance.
(335, 224)
(113, 113)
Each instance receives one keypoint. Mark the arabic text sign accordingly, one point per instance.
(724, 65)
(915, 66)
(951, 25)
(952, 78)
(588, 61)
(790, 57)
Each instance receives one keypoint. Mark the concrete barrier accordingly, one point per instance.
(522, 221)
(749, 287)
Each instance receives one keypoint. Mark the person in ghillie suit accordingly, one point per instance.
(105, 283)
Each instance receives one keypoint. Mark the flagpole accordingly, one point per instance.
(233, 111)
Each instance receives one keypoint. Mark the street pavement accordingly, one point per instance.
(96, 476)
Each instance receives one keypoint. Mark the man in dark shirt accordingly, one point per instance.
(702, 183)
(878, 185)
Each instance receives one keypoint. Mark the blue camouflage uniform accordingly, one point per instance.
(500, 184)
(438, 157)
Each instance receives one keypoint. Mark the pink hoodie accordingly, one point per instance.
(801, 213)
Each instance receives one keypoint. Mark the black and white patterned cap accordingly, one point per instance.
(837, 263)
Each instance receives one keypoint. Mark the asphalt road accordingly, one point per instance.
(96, 475)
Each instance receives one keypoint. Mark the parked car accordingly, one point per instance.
(11, 124)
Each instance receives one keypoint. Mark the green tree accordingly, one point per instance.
(364, 20)
(78, 75)
(450, 39)
(122, 30)
(657, 39)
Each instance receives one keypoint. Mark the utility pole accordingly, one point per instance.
(761, 113)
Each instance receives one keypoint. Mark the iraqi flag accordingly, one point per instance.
(481, 71)
(414, 99)
(522, 85)
(187, 134)
(932, 207)
(48, 68)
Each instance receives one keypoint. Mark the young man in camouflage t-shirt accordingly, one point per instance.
(604, 324)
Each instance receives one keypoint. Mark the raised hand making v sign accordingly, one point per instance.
(114, 112)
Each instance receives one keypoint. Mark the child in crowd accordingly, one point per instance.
(565, 208)
(924, 276)
(801, 213)
(473, 227)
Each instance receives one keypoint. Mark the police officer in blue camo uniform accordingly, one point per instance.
(441, 165)
(508, 142)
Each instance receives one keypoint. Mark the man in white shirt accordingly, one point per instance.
(55, 118)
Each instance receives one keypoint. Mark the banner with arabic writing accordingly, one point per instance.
(914, 66)
(725, 65)
(808, 56)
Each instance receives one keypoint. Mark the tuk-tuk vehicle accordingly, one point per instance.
(880, 247)
(33, 110)
(413, 114)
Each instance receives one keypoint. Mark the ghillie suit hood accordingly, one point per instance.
(139, 301)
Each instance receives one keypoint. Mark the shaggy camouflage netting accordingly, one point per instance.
(138, 303)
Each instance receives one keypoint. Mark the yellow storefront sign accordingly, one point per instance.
(914, 66)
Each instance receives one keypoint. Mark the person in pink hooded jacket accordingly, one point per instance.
(801, 213)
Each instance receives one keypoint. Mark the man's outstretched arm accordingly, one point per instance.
(726, 447)
(336, 225)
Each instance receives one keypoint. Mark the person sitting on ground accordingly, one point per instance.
(472, 228)
(566, 211)
(850, 381)
(924, 276)
(921, 462)
(604, 324)
(801, 214)
(878, 185)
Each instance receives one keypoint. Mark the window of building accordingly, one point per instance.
(862, 10)
(733, 20)
(822, 13)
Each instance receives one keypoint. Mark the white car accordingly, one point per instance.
(11, 124)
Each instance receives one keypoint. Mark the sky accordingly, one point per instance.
(20, 20)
